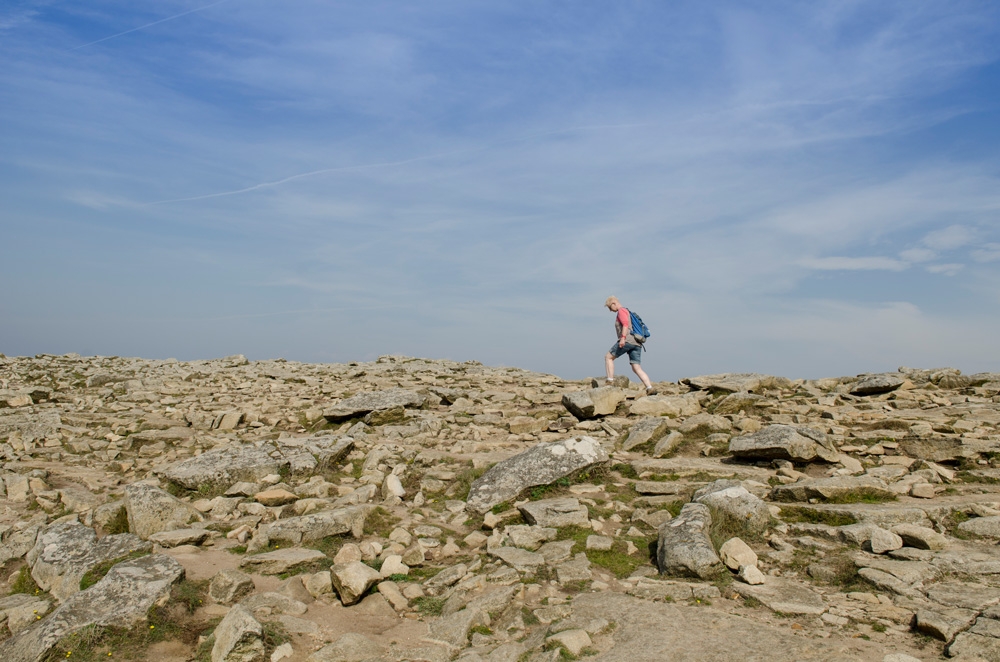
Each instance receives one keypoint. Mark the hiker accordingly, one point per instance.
(627, 344)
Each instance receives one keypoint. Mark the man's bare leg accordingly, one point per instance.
(637, 369)
(609, 366)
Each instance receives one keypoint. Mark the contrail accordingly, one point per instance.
(387, 164)
(148, 25)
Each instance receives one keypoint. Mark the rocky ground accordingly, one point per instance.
(409, 509)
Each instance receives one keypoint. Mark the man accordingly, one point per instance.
(627, 344)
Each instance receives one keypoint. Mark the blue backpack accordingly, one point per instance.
(639, 329)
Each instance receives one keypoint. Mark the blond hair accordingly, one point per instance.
(611, 300)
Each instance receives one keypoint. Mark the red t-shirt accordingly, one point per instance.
(623, 323)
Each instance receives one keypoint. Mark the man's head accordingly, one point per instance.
(612, 304)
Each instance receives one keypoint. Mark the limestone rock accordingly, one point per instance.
(593, 402)
(741, 401)
(882, 541)
(282, 560)
(572, 640)
(230, 586)
(151, 510)
(319, 525)
(751, 575)
(920, 537)
(783, 442)
(735, 554)
(352, 580)
(833, 488)
(364, 403)
(238, 638)
(556, 513)
(987, 527)
(179, 537)
(122, 598)
(731, 503)
(728, 382)
(351, 647)
(666, 405)
(64, 553)
(21, 611)
(539, 465)
(876, 384)
(785, 596)
(645, 430)
(684, 548)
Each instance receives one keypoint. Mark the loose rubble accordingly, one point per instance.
(412, 509)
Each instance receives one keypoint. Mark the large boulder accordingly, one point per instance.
(684, 548)
(877, 384)
(122, 599)
(151, 510)
(593, 402)
(539, 465)
(734, 507)
(238, 638)
(364, 403)
(784, 442)
(222, 467)
(65, 552)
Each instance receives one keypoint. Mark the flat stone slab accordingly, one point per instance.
(179, 537)
(222, 467)
(877, 384)
(64, 553)
(786, 596)
(988, 527)
(555, 513)
(539, 465)
(661, 487)
(282, 560)
(728, 382)
(655, 631)
(364, 403)
(832, 488)
(121, 599)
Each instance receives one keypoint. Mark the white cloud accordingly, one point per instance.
(917, 255)
(854, 264)
(988, 253)
(949, 269)
(949, 238)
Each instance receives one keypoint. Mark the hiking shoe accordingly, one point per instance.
(609, 382)
(651, 390)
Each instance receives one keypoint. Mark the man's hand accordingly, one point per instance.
(621, 341)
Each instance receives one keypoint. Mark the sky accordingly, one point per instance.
(806, 189)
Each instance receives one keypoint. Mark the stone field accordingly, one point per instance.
(412, 509)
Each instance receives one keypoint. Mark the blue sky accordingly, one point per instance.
(799, 188)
